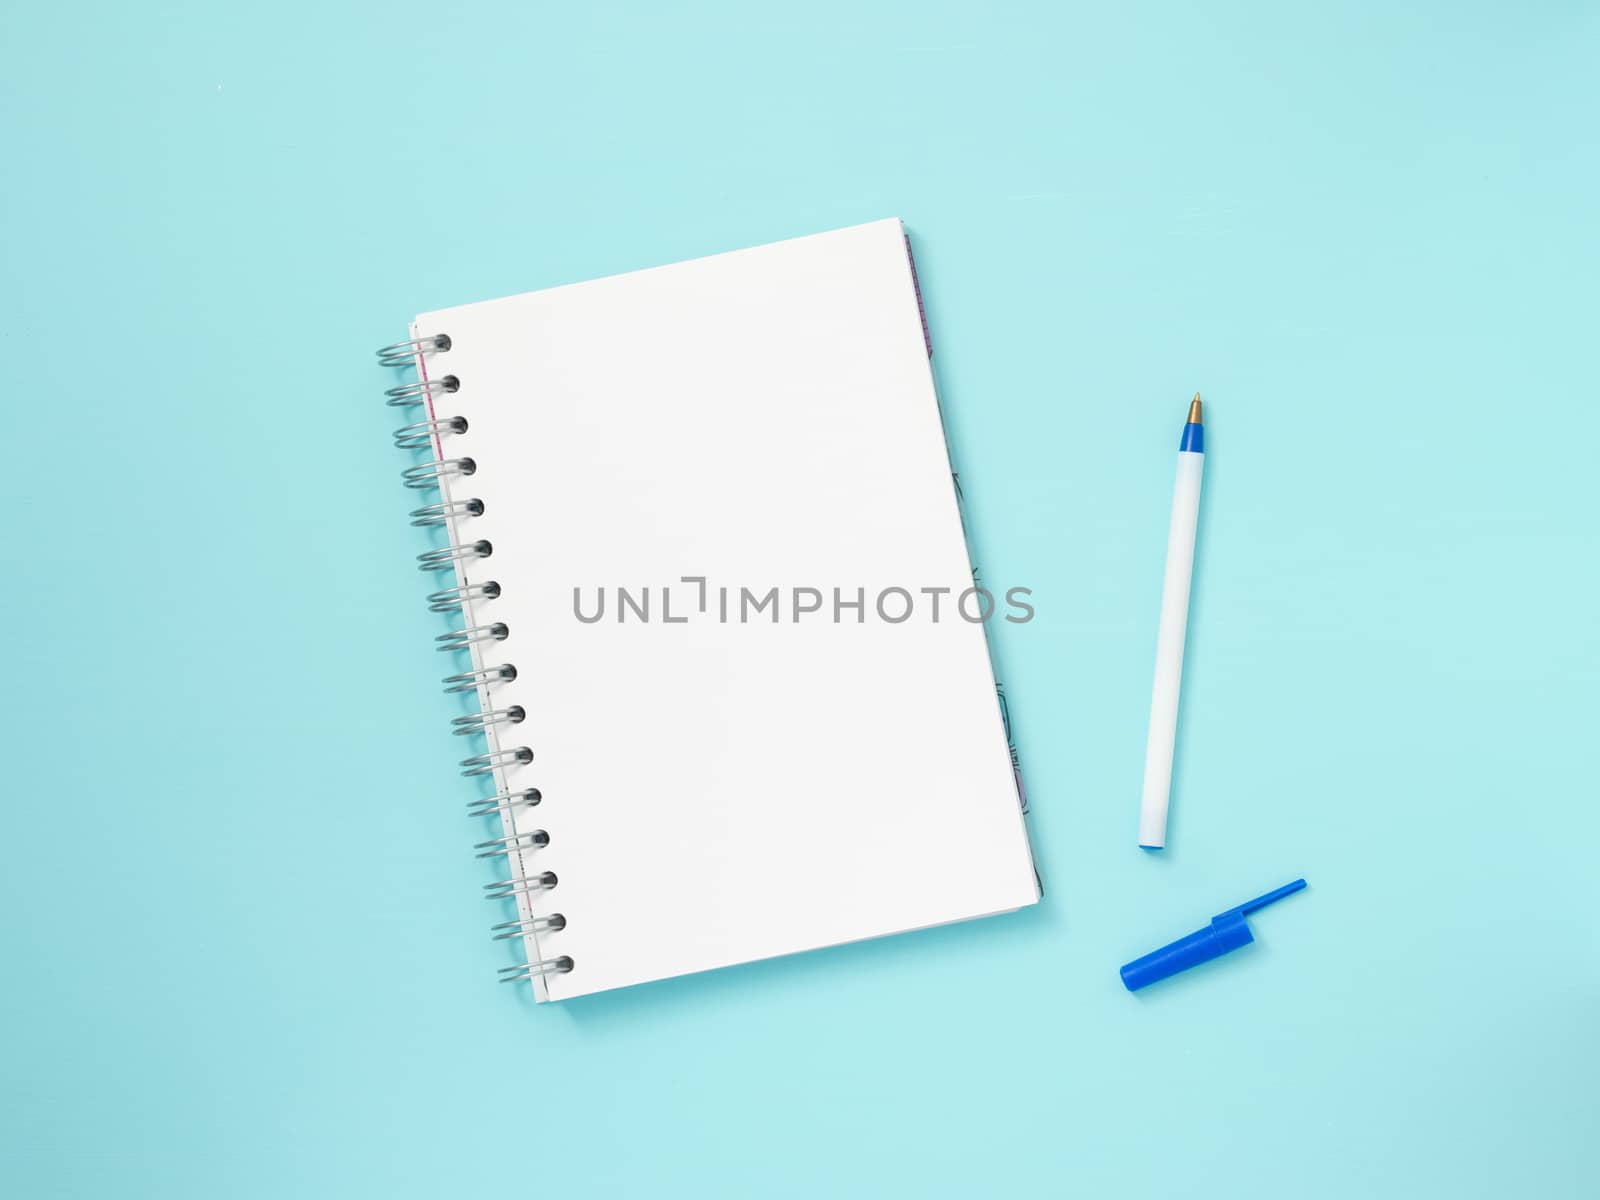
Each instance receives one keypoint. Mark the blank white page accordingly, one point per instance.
(718, 791)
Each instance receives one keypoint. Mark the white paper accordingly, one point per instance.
(718, 792)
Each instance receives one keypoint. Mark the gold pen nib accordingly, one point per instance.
(1194, 410)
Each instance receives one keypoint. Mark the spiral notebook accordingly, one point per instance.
(711, 614)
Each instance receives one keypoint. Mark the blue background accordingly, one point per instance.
(243, 948)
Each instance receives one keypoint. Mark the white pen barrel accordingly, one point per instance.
(1169, 651)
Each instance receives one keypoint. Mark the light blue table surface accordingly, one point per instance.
(244, 952)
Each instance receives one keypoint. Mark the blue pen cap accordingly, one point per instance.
(1227, 931)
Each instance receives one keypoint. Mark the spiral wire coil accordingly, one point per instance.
(448, 513)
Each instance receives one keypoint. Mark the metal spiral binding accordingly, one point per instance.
(503, 889)
(445, 559)
(471, 681)
(421, 433)
(501, 846)
(504, 802)
(545, 966)
(410, 395)
(445, 512)
(427, 475)
(488, 764)
(460, 639)
(479, 721)
(454, 599)
(403, 354)
(448, 513)
(506, 930)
